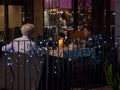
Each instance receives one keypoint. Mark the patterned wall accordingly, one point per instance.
(67, 3)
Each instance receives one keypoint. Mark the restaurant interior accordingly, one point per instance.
(99, 14)
(70, 60)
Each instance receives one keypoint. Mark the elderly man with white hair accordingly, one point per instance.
(23, 44)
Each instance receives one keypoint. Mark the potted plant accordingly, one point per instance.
(112, 80)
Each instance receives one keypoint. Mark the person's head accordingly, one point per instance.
(87, 30)
(63, 16)
(28, 29)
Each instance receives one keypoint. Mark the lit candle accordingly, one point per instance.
(61, 42)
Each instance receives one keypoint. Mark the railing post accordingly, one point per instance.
(47, 64)
(6, 21)
(0, 49)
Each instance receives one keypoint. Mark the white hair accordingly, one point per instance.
(27, 29)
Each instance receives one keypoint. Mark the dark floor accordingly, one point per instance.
(100, 88)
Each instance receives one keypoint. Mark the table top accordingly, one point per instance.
(73, 53)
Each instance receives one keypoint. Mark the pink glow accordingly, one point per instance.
(67, 4)
(56, 3)
(112, 4)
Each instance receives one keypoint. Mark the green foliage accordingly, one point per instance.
(113, 81)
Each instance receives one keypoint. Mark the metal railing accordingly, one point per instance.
(57, 68)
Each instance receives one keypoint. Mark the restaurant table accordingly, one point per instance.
(73, 53)
(73, 68)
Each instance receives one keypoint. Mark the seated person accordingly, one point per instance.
(88, 33)
(23, 44)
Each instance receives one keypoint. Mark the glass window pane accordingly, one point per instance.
(15, 16)
(1, 21)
